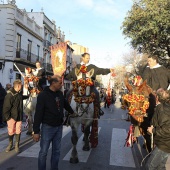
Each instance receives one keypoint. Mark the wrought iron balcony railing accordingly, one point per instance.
(47, 43)
(48, 67)
(26, 55)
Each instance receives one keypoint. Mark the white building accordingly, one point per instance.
(25, 37)
(21, 42)
(78, 51)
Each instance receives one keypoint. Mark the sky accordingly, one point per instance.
(94, 24)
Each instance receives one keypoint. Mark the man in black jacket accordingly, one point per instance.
(13, 113)
(160, 128)
(97, 71)
(157, 76)
(49, 112)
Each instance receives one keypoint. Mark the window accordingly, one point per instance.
(29, 50)
(18, 42)
(18, 76)
(38, 52)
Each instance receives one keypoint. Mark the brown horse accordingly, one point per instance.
(136, 101)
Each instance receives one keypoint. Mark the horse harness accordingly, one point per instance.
(79, 92)
(31, 88)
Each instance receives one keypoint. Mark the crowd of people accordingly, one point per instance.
(107, 98)
(51, 102)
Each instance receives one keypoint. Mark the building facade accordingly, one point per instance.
(26, 37)
(78, 51)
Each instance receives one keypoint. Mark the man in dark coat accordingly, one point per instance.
(2, 96)
(157, 76)
(40, 73)
(160, 128)
(13, 113)
(97, 71)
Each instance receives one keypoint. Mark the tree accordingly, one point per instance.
(119, 79)
(136, 60)
(148, 26)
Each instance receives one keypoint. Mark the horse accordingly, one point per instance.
(137, 102)
(82, 101)
(30, 88)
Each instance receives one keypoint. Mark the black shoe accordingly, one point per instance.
(101, 113)
(128, 120)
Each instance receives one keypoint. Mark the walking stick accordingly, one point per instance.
(19, 70)
(152, 141)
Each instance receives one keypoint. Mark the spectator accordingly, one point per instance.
(49, 112)
(13, 114)
(113, 95)
(160, 128)
(65, 92)
(101, 95)
(8, 86)
(2, 96)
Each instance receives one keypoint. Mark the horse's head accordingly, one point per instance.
(136, 101)
(28, 71)
(84, 82)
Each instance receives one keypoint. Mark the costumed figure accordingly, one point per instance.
(40, 73)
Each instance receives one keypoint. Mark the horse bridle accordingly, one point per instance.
(84, 110)
(28, 101)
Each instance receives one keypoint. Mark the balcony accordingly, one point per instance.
(26, 56)
(48, 67)
(47, 43)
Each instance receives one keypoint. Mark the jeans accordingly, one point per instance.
(157, 160)
(50, 134)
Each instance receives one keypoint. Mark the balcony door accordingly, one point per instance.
(29, 50)
(18, 42)
(18, 47)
